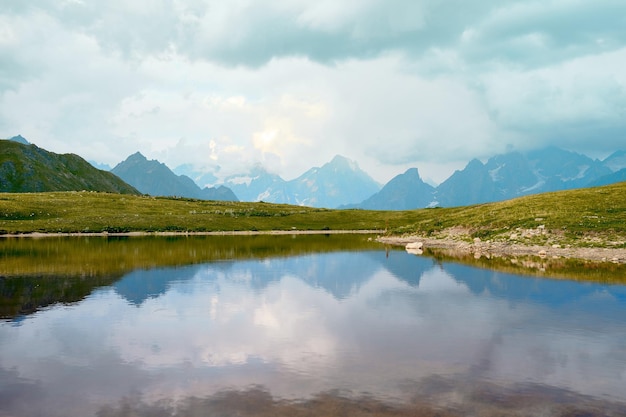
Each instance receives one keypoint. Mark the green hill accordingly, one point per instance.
(28, 168)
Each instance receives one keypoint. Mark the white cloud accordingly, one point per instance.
(292, 83)
(568, 104)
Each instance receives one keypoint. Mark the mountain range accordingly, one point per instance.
(340, 183)
(155, 178)
(334, 184)
(516, 174)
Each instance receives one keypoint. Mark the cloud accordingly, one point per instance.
(532, 33)
(252, 33)
(292, 83)
(570, 104)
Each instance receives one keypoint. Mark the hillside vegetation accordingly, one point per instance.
(591, 216)
(27, 168)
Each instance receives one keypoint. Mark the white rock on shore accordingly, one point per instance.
(415, 248)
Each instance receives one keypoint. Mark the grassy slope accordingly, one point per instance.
(585, 216)
(28, 168)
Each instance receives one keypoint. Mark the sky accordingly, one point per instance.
(390, 84)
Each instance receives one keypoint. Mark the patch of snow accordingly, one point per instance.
(532, 188)
(263, 196)
(494, 173)
(581, 173)
(242, 180)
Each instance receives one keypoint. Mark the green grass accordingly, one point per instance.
(28, 168)
(593, 216)
(98, 212)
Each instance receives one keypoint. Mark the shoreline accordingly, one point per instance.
(478, 248)
(507, 249)
(38, 235)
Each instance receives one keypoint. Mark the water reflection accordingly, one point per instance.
(343, 331)
(35, 273)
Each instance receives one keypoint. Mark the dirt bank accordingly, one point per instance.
(511, 249)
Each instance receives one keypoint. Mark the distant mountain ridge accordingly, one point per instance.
(503, 177)
(339, 183)
(404, 192)
(516, 174)
(334, 184)
(27, 168)
(155, 178)
(259, 185)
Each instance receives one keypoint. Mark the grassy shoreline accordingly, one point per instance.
(38, 235)
(592, 217)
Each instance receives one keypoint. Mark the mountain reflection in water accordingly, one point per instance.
(343, 333)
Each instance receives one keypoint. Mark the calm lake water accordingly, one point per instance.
(353, 329)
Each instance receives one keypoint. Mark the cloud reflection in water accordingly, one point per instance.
(356, 322)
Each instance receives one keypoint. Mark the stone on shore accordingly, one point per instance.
(414, 245)
(415, 248)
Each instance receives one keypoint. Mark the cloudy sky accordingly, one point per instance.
(391, 84)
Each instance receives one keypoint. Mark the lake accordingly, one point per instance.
(296, 325)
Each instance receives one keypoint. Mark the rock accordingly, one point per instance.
(414, 248)
(414, 245)
(543, 254)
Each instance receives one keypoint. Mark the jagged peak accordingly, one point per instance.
(412, 171)
(339, 158)
(19, 139)
(474, 164)
(341, 161)
(411, 175)
(137, 156)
